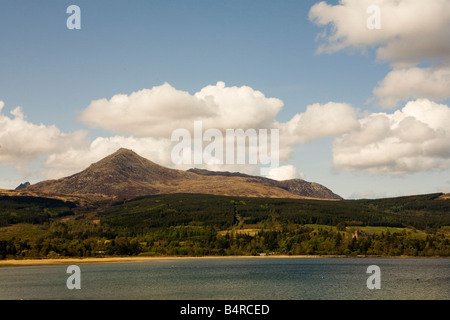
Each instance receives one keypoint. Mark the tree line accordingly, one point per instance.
(203, 241)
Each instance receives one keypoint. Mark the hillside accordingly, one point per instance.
(421, 211)
(199, 224)
(295, 186)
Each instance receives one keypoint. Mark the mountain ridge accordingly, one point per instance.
(298, 186)
(125, 174)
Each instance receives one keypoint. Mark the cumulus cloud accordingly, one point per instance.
(411, 32)
(414, 139)
(22, 142)
(285, 172)
(148, 112)
(239, 107)
(156, 112)
(319, 121)
(413, 83)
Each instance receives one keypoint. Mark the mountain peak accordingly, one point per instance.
(126, 162)
(23, 186)
(128, 153)
(124, 151)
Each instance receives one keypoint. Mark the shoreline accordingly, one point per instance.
(89, 260)
(60, 261)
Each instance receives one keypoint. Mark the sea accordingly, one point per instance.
(234, 279)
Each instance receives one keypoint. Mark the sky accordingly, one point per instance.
(358, 89)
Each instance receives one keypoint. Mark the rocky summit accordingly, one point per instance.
(23, 186)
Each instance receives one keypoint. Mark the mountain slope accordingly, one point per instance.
(124, 174)
(23, 186)
(296, 186)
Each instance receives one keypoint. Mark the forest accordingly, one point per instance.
(201, 225)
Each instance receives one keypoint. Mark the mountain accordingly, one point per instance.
(296, 186)
(122, 173)
(308, 189)
(23, 186)
(125, 175)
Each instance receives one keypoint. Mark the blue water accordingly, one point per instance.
(228, 279)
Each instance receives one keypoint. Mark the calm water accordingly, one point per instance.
(228, 279)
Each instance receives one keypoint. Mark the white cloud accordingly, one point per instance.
(148, 112)
(347, 24)
(367, 194)
(22, 142)
(154, 113)
(415, 139)
(158, 111)
(412, 32)
(413, 83)
(239, 107)
(319, 121)
(285, 172)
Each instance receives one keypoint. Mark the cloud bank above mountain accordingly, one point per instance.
(413, 139)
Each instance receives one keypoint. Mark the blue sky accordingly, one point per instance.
(54, 74)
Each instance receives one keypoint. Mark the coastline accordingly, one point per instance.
(59, 261)
(69, 261)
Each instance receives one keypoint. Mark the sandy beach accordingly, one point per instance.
(68, 261)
